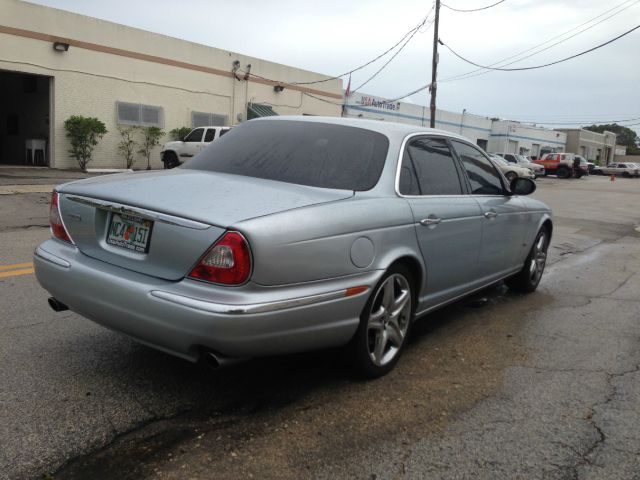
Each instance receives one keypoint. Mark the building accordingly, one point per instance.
(493, 135)
(595, 147)
(54, 64)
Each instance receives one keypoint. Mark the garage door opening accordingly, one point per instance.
(24, 119)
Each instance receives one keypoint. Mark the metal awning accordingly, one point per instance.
(255, 110)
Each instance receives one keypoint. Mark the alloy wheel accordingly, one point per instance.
(538, 258)
(389, 319)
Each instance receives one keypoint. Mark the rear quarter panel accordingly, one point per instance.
(330, 240)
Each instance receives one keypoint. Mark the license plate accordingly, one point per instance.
(132, 233)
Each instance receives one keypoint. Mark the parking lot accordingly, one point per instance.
(498, 386)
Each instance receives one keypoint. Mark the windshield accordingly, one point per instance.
(306, 153)
(499, 161)
(521, 159)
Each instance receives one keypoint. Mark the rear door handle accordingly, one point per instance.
(490, 215)
(427, 222)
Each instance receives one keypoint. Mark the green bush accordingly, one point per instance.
(127, 145)
(84, 134)
(152, 137)
(180, 132)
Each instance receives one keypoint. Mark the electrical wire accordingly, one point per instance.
(395, 54)
(328, 79)
(472, 9)
(538, 66)
(483, 71)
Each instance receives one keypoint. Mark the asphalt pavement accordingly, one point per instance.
(507, 386)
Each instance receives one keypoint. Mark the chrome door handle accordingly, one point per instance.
(490, 215)
(430, 221)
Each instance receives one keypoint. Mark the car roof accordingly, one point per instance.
(390, 129)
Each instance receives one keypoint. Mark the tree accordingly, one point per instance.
(84, 134)
(180, 132)
(127, 145)
(624, 136)
(152, 137)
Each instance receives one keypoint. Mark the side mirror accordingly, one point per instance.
(522, 186)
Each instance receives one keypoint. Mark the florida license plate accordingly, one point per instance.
(132, 233)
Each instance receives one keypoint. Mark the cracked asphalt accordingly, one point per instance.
(500, 386)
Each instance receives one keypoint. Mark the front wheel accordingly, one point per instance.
(384, 324)
(170, 160)
(527, 279)
(511, 176)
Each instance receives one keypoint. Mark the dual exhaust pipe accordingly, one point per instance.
(213, 360)
(56, 305)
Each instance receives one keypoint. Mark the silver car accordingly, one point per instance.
(291, 234)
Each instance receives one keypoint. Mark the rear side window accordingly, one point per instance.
(483, 175)
(434, 167)
(306, 153)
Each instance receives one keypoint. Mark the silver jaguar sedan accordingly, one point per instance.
(291, 234)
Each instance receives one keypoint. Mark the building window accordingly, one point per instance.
(138, 114)
(202, 119)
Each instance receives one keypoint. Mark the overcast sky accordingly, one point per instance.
(332, 37)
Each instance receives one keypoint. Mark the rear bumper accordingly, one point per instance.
(186, 316)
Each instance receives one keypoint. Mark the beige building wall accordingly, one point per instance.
(107, 62)
(596, 147)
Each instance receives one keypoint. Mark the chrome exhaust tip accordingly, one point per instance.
(56, 305)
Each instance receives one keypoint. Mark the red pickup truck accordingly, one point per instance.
(564, 165)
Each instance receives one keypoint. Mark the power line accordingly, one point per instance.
(409, 33)
(482, 71)
(539, 66)
(417, 29)
(473, 9)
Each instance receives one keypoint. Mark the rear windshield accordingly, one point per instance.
(306, 153)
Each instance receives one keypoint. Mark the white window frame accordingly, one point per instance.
(139, 122)
(212, 116)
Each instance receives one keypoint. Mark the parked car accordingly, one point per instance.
(291, 234)
(623, 169)
(523, 161)
(564, 165)
(593, 169)
(512, 170)
(177, 152)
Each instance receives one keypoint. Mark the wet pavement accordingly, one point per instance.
(500, 386)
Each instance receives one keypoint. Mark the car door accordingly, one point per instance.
(505, 222)
(192, 143)
(447, 222)
(209, 136)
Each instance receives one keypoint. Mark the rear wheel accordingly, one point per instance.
(384, 324)
(527, 279)
(170, 160)
(626, 174)
(563, 172)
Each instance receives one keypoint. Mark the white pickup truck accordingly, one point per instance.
(175, 153)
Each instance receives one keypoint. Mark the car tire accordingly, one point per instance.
(563, 172)
(511, 176)
(527, 279)
(626, 174)
(385, 323)
(170, 160)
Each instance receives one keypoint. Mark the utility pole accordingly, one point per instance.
(434, 67)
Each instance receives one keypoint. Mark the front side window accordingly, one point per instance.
(211, 133)
(195, 135)
(434, 167)
(483, 176)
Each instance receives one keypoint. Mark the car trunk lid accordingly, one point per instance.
(177, 215)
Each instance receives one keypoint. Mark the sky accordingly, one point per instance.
(332, 37)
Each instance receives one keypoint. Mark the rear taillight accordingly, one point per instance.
(55, 220)
(228, 262)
